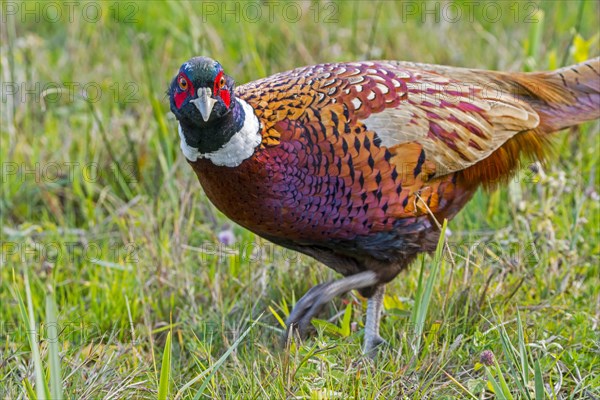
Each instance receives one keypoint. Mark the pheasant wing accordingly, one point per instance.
(456, 116)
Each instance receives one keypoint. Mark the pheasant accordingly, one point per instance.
(354, 163)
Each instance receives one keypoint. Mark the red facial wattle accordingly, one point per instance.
(182, 94)
(179, 98)
(222, 92)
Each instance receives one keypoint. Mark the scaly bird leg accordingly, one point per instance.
(310, 304)
(372, 338)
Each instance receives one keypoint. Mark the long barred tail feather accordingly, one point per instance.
(562, 98)
(565, 97)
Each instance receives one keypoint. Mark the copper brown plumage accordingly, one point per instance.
(353, 163)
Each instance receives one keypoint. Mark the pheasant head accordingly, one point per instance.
(213, 124)
(201, 92)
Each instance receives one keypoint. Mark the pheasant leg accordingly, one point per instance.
(374, 307)
(310, 304)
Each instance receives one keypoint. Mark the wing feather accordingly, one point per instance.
(451, 113)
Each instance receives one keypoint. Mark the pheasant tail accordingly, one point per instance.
(560, 98)
(565, 97)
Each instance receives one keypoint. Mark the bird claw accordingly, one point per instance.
(311, 303)
(372, 346)
(298, 322)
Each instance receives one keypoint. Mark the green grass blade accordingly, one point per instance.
(495, 385)
(575, 31)
(522, 351)
(41, 386)
(539, 382)
(347, 320)
(165, 370)
(53, 348)
(424, 293)
(418, 296)
(224, 357)
(535, 39)
(212, 370)
(510, 353)
(29, 390)
(328, 327)
(277, 317)
(164, 132)
(110, 150)
(503, 384)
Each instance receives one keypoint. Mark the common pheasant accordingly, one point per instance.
(354, 163)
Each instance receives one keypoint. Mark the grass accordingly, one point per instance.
(114, 283)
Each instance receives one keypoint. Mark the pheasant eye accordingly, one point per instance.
(183, 83)
(221, 82)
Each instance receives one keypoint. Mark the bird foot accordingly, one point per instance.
(298, 322)
(311, 303)
(372, 345)
(372, 340)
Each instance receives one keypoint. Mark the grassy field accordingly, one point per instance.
(116, 283)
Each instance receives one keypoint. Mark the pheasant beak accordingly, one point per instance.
(204, 103)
